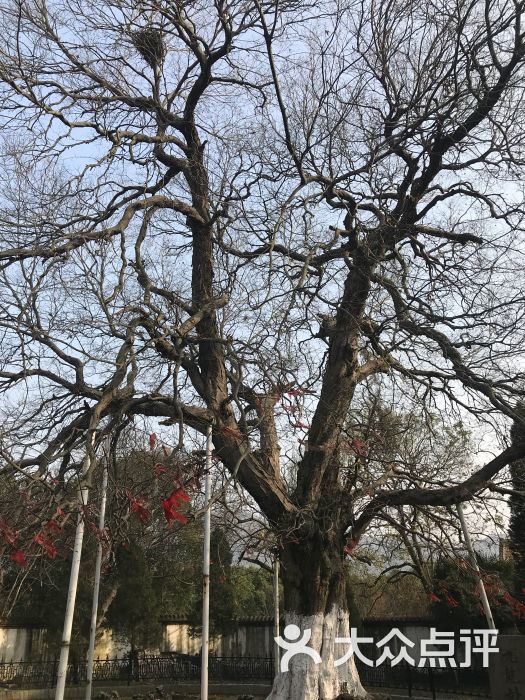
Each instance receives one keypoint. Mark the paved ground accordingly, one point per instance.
(218, 691)
(385, 694)
(180, 691)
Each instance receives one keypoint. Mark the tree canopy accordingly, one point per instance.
(250, 215)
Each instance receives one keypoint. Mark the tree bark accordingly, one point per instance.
(315, 599)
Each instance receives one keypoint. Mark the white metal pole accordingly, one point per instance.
(83, 494)
(96, 586)
(276, 624)
(205, 648)
(474, 562)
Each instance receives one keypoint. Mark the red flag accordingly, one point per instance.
(152, 441)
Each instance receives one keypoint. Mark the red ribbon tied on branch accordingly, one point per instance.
(359, 447)
(171, 506)
(350, 546)
(46, 544)
(159, 469)
(19, 558)
(9, 535)
(139, 508)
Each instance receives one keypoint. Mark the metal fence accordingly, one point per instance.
(464, 681)
(138, 668)
(180, 667)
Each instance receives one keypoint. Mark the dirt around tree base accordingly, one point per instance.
(176, 696)
(136, 694)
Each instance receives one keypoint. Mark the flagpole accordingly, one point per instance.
(205, 645)
(96, 586)
(83, 494)
(276, 629)
(474, 562)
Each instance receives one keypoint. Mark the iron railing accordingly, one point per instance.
(136, 668)
(463, 681)
(181, 667)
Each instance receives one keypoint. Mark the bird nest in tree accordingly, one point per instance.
(150, 44)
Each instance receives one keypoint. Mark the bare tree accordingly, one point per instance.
(247, 213)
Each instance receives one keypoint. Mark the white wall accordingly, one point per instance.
(253, 640)
(178, 637)
(19, 644)
(110, 646)
(27, 644)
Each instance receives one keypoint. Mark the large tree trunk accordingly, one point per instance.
(315, 599)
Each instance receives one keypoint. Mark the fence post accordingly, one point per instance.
(431, 678)
(409, 679)
(54, 672)
(136, 665)
(75, 669)
(130, 667)
(456, 680)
